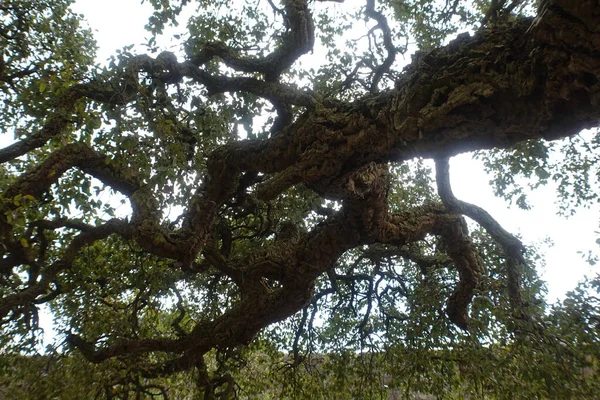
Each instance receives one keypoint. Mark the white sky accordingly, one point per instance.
(564, 265)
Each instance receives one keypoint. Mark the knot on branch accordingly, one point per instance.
(369, 179)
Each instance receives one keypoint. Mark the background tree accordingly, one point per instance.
(280, 234)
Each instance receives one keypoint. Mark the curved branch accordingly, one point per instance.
(115, 91)
(56, 125)
(272, 91)
(149, 234)
(387, 42)
(513, 248)
(30, 295)
(36, 181)
(298, 40)
(403, 228)
(166, 68)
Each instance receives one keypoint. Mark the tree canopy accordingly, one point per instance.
(236, 219)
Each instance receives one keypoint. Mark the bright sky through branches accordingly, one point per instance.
(573, 237)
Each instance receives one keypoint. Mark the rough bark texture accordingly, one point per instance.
(510, 83)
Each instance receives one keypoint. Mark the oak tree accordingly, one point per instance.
(253, 214)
